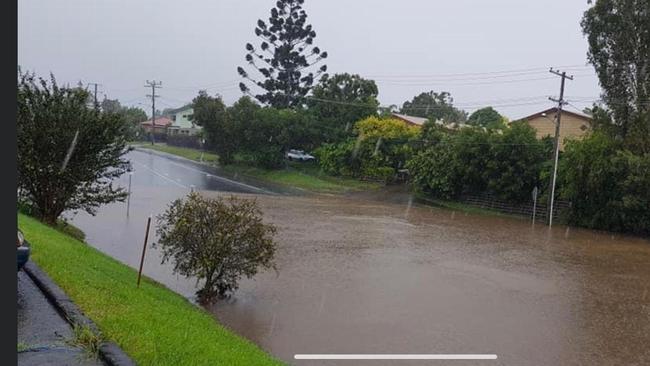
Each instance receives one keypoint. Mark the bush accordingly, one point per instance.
(381, 147)
(215, 240)
(608, 185)
(68, 153)
(473, 161)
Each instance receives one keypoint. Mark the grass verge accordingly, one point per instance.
(307, 176)
(463, 207)
(152, 324)
(184, 152)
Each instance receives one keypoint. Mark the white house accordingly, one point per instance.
(181, 123)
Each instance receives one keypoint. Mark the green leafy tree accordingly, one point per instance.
(608, 186)
(381, 147)
(284, 57)
(487, 117)
(215, 240)
(434, 106)
(132, 115)
(210, 113)
(473, 161)
(618, 32)
(68, 153)
(343, 99)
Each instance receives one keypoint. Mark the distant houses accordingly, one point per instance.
(161, 125)
(182, 123)
(572, 125)
(175, 122)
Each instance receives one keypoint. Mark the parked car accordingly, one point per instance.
(299, 155)
(23, 250)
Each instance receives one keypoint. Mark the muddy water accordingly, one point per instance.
(365, 276)
(369, 277)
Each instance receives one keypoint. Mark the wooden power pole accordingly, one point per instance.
(556, 147)
(153, 85)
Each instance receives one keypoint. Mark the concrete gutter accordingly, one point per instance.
(110, 352)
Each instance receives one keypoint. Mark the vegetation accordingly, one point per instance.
(606, 176)
(487, 117)
(609, 186)
(215, 240)
(86, 339)
(152, 324)
(132, 116)
(618, 33)
(68, 152)
(185, 152)
(474, 161)
(434, 106)
(341, 100)
(285, 54)
(380, 148)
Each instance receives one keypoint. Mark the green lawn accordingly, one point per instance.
(152, 324)
(304, 176)
(300, 175)
(185, 152)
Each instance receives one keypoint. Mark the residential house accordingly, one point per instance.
(573, 125)
(161, 125)
(419, 121)
(182, 123)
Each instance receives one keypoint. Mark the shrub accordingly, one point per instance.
(608, 185)
(215, 240)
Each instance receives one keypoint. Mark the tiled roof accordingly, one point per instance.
(160, 121)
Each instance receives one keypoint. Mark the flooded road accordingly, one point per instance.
(357, 275)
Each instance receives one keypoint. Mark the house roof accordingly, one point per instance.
(418, 121)
(160, 121)
(553, 111)
(179, 109)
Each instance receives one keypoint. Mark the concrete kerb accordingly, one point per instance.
(110, 352)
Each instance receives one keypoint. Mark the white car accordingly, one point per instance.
(299, 155)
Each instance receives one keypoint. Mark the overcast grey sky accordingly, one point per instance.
(407, 46)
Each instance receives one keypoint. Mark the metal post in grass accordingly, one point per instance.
(128, 198)
(534, 202)
(144, 248)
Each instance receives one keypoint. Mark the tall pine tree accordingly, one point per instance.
(284, 56)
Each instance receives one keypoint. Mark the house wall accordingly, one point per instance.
(571, 127)
(181, 118)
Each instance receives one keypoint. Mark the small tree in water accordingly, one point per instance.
(215, 240)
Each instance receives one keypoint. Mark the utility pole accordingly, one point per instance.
(95, 94)
(153, 85)
(556, 148)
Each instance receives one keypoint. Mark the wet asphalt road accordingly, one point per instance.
(370, 275)
(43, 331)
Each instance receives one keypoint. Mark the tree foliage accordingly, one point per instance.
(381, 147)
(434, 106)
(284, 57)
(210, 113)
(341, 100)
(132, 115)
(474, 161)
(68, 152)
(618, 32)
(215, 240)
(487, 117)
(608, 185)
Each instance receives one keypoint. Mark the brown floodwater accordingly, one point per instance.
(364, 275)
